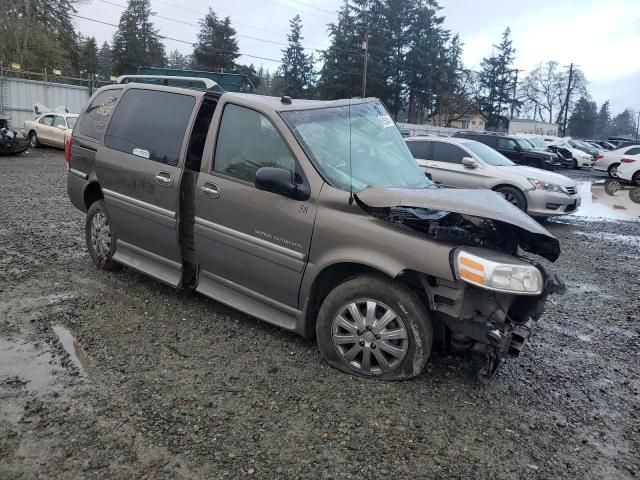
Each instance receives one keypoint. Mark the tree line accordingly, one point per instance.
(414, 64)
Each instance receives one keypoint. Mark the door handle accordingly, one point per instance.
(210, 190)
(164, 179)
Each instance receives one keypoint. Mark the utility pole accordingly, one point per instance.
(365, 47)
(566, 102)
(515, 88)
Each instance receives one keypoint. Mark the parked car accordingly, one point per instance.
(629, 170)
(564, 155)
(585, 147)
(602, 144)
(49, 129)
(265, 204)
(579, 158)
(12, 142)
(515, 149)
(610, 161)
(464, 163)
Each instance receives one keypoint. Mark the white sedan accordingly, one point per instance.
(629, 170)
(610, 161)
(49, 129)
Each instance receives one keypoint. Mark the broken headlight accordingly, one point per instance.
(499, 272)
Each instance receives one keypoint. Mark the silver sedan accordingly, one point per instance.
(462, 163)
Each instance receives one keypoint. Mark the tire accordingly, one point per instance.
(101, 243)
(636, 179)
(634, 195)
(514, 197)
(613, 170)
(407, 320)
(33, 140)
(574, 164)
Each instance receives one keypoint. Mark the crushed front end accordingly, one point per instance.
(496, 295)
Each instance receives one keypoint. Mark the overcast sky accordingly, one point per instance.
(602, 37)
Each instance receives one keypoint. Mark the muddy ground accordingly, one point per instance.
(113, 375)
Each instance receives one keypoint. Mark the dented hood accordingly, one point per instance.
(532, 236)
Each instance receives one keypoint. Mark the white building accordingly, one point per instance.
(521, 125)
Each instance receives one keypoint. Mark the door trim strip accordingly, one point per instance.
(251, 239)
(140, 203)
(78, 173)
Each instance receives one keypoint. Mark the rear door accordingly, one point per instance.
(507, 147)
(421, 151)
(57, 132)
(139, 167)
(251, 243)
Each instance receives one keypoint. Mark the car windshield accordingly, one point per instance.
(71, 122)
(524, 144)
(537, 142)
(488, 154)
(370, 153)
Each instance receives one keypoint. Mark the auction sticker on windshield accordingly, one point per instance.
(386, 121)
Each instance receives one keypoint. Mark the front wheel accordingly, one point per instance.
(613, 170)
(101, 239)
(376, 327)
(33, 140)
(514, 197)
(574, 164)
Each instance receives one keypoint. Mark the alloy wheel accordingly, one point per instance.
(101, 235)
(370, 337)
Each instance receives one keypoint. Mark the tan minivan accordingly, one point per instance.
(309, 215)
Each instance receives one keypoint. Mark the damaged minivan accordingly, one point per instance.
(310, 215)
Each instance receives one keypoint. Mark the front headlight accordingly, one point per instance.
(499, 272)
(542, 185)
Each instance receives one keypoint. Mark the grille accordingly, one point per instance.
(571, 190)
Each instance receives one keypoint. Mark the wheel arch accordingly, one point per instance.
(92, 193)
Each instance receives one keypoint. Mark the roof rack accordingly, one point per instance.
(206, 82)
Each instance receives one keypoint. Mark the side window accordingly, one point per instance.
(446, 152)
(420, 149)
(150, 124)
(96, 117)
(506, 143)
(47, 120)
(59, 122)
(633, 151)
(248, 141)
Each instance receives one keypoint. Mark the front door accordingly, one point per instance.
(139, 169)
(44, 129)
(448, 170)
(250, 244)
(57, 133)
(507, 147)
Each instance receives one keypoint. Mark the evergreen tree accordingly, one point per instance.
(105, 67)
(178, 60)
(582, 122)
(341, 73)
(624, 124)
(603, 122)
(263, 86)
(89, 63)
(136, 43)
(217, 47)
(297, 67)
(497, 79)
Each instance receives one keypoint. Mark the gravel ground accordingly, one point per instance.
(113, 375)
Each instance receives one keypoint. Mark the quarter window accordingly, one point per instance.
(248, 141)
(96, 117)
(633, 151)
(150, 124)
(446, 152)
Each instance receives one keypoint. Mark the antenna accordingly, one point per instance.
(350, 167)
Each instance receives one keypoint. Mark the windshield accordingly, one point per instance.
(524, 144)
(488, 154)
(71, 122)
(537, 142)
(379, 156)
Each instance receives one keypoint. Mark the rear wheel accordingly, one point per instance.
(33, 140)
(375, 327)
(514, 197)
(636, 179)
(101, 239)
(574, 164)
(613, 170)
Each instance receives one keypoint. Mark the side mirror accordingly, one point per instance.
(469, 162)
(281, 182)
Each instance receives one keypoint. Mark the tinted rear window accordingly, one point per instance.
(96, 118)
(446, 152)
(150, 124)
